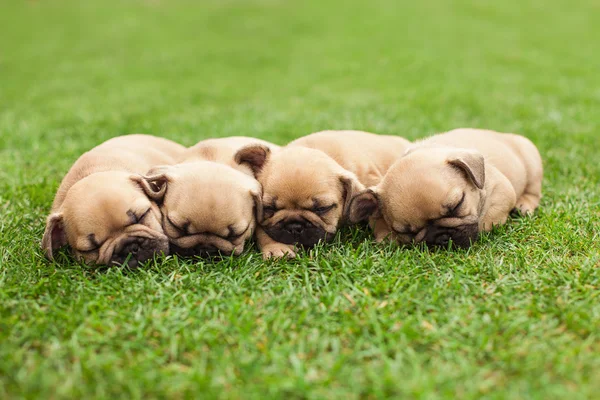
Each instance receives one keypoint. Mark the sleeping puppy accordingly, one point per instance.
(453, 185)
(307, 185)
(100, 209)
(209, 203)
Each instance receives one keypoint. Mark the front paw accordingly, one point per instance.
(383, 236)
(278, 250)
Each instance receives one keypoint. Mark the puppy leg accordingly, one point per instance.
(500, 200)
(381, 230)
(530, 199)
(271, 248)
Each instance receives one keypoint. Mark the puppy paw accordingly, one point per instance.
(527, 204)
(384, 237)
(275, 251)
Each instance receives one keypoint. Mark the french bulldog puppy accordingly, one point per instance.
(308, 184)
(209, 203)
(454, 185)
(100, 209)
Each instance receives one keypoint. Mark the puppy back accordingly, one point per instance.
(365, 154)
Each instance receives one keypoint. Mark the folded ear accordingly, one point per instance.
(363, 206)
(254, 155)
(472, 164)
(153, 184)
(54, 235)
(258, 205)
(351, 187)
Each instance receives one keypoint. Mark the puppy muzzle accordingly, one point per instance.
(133, 250)
(297, 231)
(202, 245)
(462, 236)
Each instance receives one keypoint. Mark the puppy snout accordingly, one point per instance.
(137, 250)
(132, 248)
(295, 228)
(461, 236)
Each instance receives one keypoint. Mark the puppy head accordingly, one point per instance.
(106, 219)
(430, 195)
(306, 194)
(207, 208)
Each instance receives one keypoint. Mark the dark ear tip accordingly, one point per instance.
(255, 155)
(251, 152)
(53, 235)
(363, 205)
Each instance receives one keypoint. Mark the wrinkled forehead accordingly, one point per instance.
(210, 192)
(100, 209)
(300, 174)
(417, 192)
(318, 187)
(211, 199)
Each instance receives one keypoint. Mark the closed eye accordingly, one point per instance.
(182, 230)
(144, 215)
(322, 209)
(269, 210)
(94, 243)
(233, 235)
(455, 209)
(138, 220)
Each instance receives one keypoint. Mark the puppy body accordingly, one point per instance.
(454, 185)
(100, 209)
(209, 203)
(366, 155)
(308, 184)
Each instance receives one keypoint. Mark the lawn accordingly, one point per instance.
(515, 316)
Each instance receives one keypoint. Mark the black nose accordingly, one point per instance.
(132, 248)
(295, 228)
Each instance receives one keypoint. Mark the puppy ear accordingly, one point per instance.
(351, 187)
(253, 155)
(472, 164)
(155, 186)
(54, 235)
(363, 206)
(258, 205)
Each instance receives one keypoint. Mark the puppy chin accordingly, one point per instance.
(305, 234)
(462, 236)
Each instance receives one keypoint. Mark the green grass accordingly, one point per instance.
(516, 316)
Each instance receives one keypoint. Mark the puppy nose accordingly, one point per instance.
(132, 248)
(295, 228)
(438, 236)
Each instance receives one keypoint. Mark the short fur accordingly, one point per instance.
(454, 185)
(308, 185)
(100, 209)
(209, 202)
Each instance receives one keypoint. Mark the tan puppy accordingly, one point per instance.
(308, 185)
(100, 209)
(208, 202)
(454, 185)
